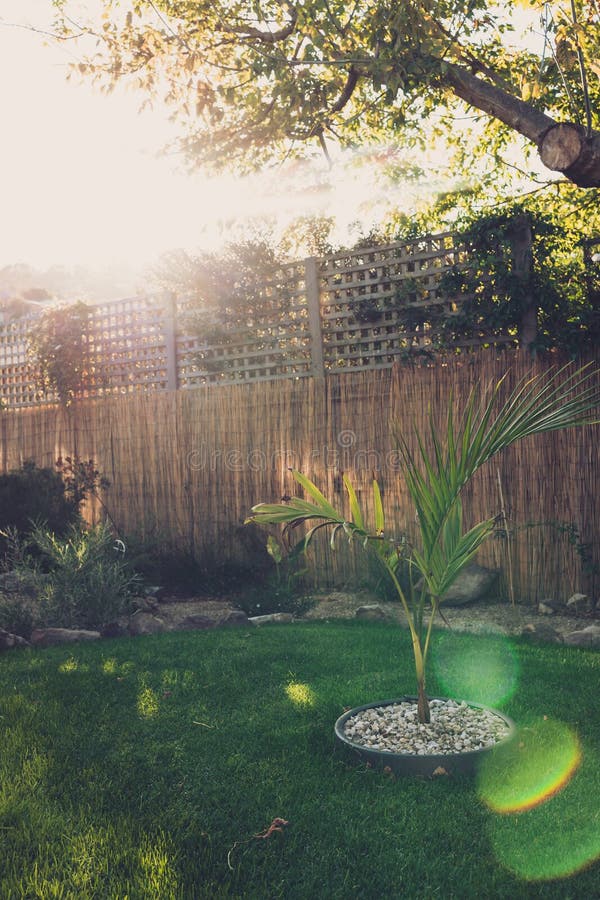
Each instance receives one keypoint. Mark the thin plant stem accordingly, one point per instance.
(434, 609)
(583, 76)
(504, 520)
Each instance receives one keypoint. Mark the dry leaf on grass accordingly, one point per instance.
(274, 826)
(277, 825)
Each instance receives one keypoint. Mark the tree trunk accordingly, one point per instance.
(563, 147)
(423, 712)
(568, 149)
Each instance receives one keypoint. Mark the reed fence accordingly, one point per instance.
(186, 466)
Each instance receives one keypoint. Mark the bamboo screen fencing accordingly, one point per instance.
(361, 309)
(187, 466)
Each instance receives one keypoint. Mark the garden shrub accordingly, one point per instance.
(281, 589)
(18, 614)
(19, 579)
(158, 564)
(32, 494)
(88, 581)
(179, 572)
(81, 478)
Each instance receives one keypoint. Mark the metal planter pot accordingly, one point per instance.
(425, 765)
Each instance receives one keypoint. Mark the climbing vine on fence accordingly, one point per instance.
(491, 291)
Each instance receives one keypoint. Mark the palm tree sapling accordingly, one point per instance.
(435, 476)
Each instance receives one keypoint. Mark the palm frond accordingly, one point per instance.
(436, 478)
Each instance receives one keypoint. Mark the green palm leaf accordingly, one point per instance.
(435, 479)
(378, 507)
(313, 491)
(355, 510)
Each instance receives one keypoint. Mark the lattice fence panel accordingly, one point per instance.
(358, 309)
(18, 385)
(126, 352)
(382, 303)
(271, 340)
(128, 346)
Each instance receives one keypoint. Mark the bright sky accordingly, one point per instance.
(82, 182)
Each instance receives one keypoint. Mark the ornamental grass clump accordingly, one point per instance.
(88, 582)
(435, 479)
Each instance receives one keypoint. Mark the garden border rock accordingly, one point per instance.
(198, 613)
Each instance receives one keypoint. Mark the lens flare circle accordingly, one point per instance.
(533, 768)
(551, 830)
(483, 668)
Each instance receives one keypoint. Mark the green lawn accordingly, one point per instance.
(131, 768)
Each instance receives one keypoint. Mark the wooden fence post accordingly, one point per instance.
(591, 263)
(313, 300)
(170, 313)
(521, 240)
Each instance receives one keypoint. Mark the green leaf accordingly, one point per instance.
(316, 494)
(462, 554)
(336, 528)
(355, 510)
(274, 550)
(378, 505)
(310, 534)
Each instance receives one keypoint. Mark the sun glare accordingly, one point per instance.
(543, 791)
(301, 695)
(147, 703)
(84, 183)
(70, 665)
(483, 669)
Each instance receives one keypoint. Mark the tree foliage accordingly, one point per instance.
(228, 292)
(253, 79)
(58, 345)
(564, 279)
(491, 291)
(217, 281)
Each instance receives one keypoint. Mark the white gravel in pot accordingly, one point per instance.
(454, 728)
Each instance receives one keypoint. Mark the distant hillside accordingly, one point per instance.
(61, 283)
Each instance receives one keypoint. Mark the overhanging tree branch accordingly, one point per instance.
(563, 146)
(328, 65)
(347, 91)
(496, 102)
(266, 37)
